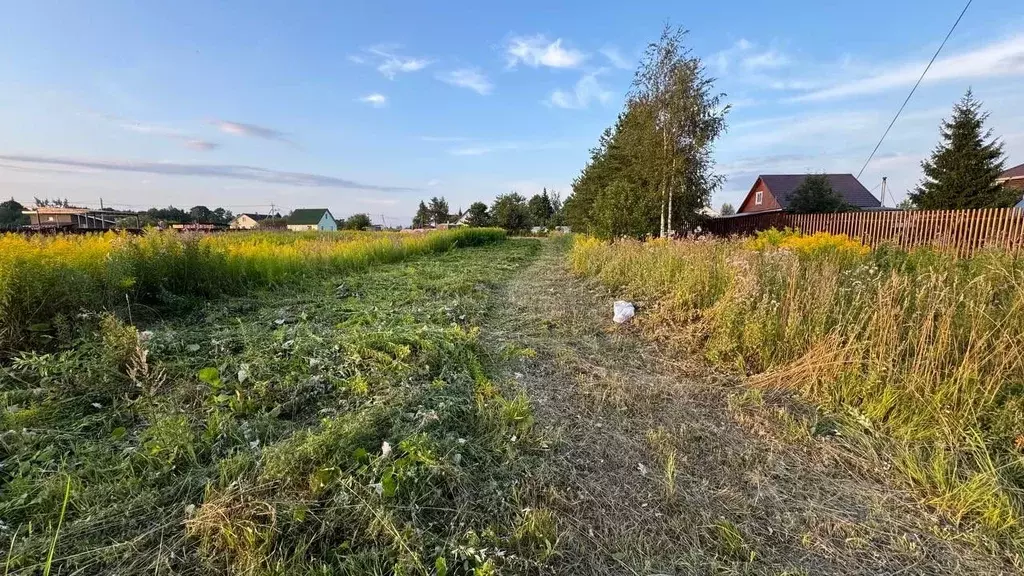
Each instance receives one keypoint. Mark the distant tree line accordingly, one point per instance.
(511, 211)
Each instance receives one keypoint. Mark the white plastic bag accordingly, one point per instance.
(623, 311)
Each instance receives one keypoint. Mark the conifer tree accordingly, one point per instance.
(962, 170)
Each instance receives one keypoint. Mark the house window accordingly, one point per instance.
(757, 197)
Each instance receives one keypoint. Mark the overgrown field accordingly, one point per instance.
(344, 425)
(46, 280)
(918, 353)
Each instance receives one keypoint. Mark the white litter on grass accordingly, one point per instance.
(385, 449)
(623, 311)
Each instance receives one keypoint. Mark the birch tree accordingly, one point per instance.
(688, 118)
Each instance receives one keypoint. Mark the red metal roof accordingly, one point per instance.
(783, 185)
(1012, 173)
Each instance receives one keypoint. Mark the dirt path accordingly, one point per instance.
(665, 468)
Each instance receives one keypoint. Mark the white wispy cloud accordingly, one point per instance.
(481, 148)
(389, 62)
(616, 58)
(375, 100)
(189, 140)
(237, 172)
(433, 182)
(470, 78)
(1002, 58)
(795, 129)
(748, 57)
(588, 90)
(537, 50)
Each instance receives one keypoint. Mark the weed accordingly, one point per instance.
(730, 541)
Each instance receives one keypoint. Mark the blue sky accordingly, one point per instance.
(371, 107)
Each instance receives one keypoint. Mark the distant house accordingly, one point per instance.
(1013, 178)
(59, 217)
(247, 221)
(771, 192)
(305, 219)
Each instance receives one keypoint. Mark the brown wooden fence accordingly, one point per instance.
(961, 231)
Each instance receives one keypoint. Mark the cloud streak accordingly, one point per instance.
(586, 91)
(488, 147)
(616, 58)
(535, 51)
(251, 131)
(470, 78)
(188, 140)
(389, 62)
(1000, 59)
(237, 172)
(748, 57)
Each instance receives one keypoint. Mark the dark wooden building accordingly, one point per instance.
(772, 192)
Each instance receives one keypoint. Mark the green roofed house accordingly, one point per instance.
(312, 219)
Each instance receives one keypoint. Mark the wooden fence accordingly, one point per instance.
(961, 231)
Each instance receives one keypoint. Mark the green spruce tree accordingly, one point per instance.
(815, 195)
(422, 218)
(963, 168)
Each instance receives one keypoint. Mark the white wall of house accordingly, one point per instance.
(242, 222)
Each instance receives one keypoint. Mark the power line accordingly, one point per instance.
(914, 89)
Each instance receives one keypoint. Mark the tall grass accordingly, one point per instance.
(923, 351)
(45, 281)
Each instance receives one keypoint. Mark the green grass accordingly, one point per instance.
(920, 352)
(339, 425)
(46, 281)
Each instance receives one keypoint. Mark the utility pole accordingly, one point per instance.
(101, 203)
(884, 178)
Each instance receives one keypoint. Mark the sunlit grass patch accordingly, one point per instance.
(47, 281)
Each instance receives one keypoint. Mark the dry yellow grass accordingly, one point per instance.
(921, 351)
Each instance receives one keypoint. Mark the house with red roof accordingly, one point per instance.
(772, 192)
(1014, 179)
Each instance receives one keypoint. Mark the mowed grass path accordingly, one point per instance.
(663, 465)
